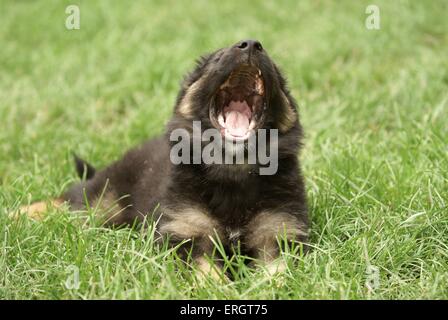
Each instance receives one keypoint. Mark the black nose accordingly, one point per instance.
(250, 45)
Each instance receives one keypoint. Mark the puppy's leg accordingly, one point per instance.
(198, 228)
(264, 232)
(37, 210)
(208, 268)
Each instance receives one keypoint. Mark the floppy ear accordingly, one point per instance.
(288, 114)
(185, 106)
(285, 114)
(191, 85)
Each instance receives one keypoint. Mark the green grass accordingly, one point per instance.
(374, 105)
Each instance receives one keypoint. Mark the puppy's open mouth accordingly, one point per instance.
(239, 103)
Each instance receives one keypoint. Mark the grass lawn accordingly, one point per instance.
(374, 105)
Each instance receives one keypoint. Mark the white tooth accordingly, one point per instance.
(221, 121)
(252, 124)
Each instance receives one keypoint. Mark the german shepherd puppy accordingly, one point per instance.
(236, 91)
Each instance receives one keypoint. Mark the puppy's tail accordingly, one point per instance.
(83, 168)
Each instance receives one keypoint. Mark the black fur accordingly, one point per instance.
(145, 177)
(83, 168)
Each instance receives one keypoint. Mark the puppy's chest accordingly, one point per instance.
(233, 206)
(233, 235)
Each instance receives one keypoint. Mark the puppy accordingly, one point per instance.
(237, 92)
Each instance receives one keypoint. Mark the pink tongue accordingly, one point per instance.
(237, 123)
